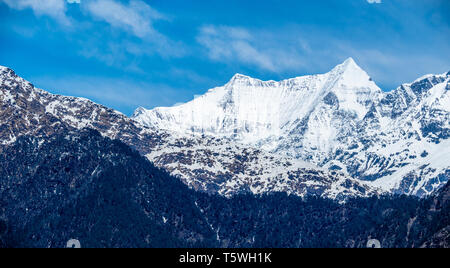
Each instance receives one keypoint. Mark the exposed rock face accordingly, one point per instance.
(219, 165)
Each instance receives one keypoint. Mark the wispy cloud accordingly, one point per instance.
(133, 17)
(374, 1)
(136, 17)
(235, 44)
(52, 8)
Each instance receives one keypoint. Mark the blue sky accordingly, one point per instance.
(130, 53)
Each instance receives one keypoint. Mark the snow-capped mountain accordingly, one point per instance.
(251, 110)
(341, 120)
(215, 165)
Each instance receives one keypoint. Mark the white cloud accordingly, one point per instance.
(74, 1)
(259, 49)
(297, 50)
(136, 17)
(52, 8)
(374, 1)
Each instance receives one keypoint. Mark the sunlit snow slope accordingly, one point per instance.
(252, 110)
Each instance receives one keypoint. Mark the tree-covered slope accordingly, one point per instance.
(81, 185)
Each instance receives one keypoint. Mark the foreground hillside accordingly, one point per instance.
(78, 184)
(84, 186)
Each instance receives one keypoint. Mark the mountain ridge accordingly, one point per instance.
(205, 164)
